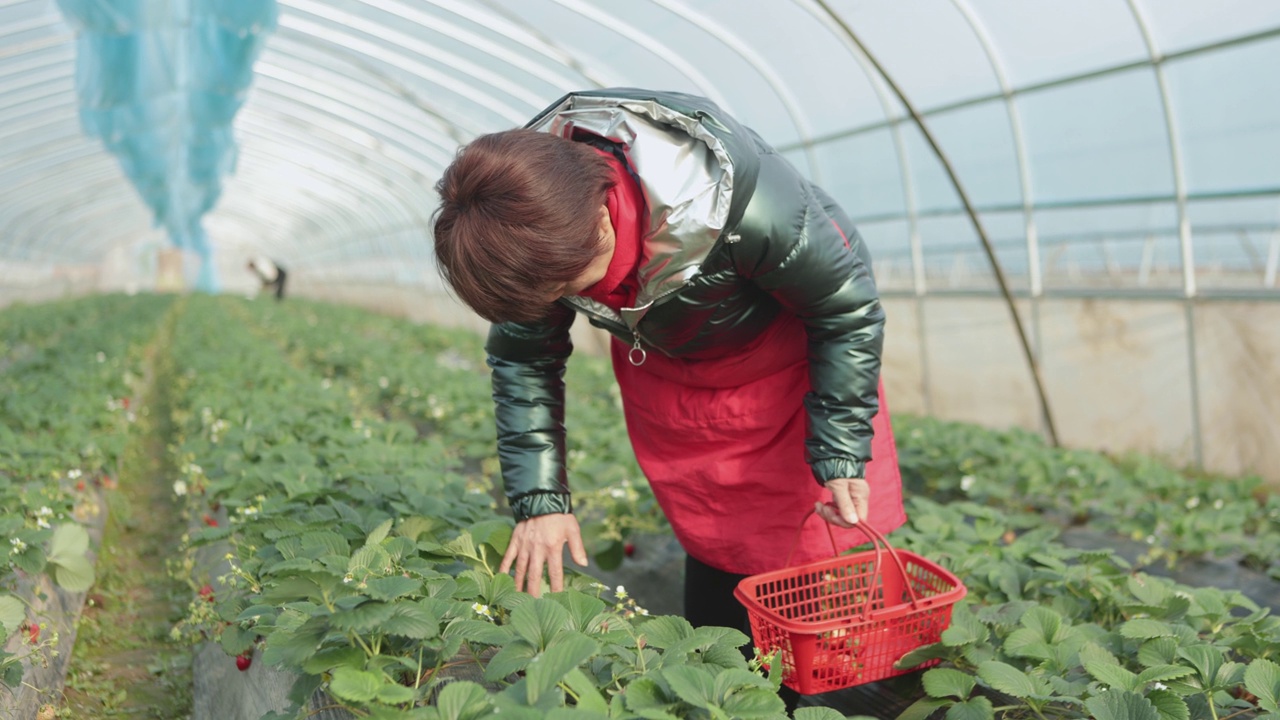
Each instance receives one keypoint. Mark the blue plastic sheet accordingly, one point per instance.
(159, 82)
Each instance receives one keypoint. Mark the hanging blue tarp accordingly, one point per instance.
(160, 82)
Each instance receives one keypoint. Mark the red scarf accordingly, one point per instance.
(617, 289)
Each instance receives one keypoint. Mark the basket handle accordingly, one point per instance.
(878, 541)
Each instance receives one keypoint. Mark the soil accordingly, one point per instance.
(125, 663)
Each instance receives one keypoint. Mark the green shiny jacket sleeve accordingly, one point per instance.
(808, 256)
(527, 361)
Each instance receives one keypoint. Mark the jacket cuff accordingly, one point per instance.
(832, 468)
(535, 504)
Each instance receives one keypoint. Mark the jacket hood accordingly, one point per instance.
(682, 149)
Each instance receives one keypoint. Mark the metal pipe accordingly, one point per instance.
(1184, 223)
(994, 261)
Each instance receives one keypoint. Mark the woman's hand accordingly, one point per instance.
(852, 497)
(539, 542)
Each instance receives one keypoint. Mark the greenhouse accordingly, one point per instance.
(294, 421)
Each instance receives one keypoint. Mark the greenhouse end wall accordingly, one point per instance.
(1118, 372)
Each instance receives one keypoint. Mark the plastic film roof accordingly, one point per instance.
(1104, 144)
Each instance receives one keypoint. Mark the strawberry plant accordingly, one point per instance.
(437, 380)
(1175, 514)
(62, 425)
(1066, 633)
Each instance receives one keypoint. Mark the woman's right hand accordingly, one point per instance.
(538, 543)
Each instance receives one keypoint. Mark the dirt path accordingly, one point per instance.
(125, 664)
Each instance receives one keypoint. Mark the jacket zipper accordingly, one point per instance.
(637, 354)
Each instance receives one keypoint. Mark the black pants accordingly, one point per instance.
(709, 600)
(279, 283)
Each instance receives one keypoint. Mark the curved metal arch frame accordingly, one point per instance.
(1184, 221)
(756, 61)
(473, 40)
(326, 112)
(420, 69)
(286, 46)
(357, 188)
(394, 173)
(108, 206)
(916, 243)
(655, 46)
(1033, 364)
(1034, 279)
(352, 23)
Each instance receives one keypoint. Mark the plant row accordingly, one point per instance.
(1056, 632)
(360, 558)
(1176, 514)
(436, 379)
(360, 544)
(68, 374)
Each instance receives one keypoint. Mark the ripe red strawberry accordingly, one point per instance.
(210, 520)
(108, 482)
(629, 549)
(206, 592)
(244, 661)
(33, 632)
(80, 486)
(124, 403)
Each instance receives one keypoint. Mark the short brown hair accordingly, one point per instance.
(519, 212)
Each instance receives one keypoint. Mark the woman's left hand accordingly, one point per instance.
(852, 498)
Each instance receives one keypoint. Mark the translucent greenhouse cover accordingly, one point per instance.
(1103, 145)
(160, 83)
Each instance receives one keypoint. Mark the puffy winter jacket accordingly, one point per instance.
(736, 236)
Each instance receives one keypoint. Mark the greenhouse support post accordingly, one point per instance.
(994, 261)
(1184, 224)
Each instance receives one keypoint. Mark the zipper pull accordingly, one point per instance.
(636, 355)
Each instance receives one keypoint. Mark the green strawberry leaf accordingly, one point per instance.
(753, 703)
(922, 709)
(1146, 629)
(691, 684)
(976, 708)
(72, 570)
(817, 713)
(1262, 678)
(393, 694)
(1169, 704)
(354, 685)
(390, 588)
(379, 533)
(1007, 679)
(1160, 673)
(1160, 651)
(587, 692)
(463, 700)
(548, 668)
(12, 613)
(947, 682)
(1113, 676)
(412, 621)
(1121, 705)
(74, 574)
(539, 621)
(932, 651)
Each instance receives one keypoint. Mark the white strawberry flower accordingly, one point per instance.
(179, 487)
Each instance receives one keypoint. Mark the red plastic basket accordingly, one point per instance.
(845, 621)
